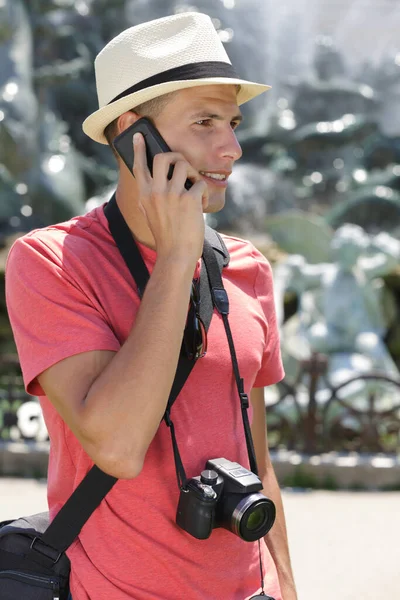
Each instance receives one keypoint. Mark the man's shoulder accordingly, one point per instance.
(242, 250)
(58, 239)
(247, 264)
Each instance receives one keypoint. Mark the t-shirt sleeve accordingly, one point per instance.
(51, 316)
(271, 369)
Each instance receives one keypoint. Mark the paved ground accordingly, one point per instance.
(345, 546)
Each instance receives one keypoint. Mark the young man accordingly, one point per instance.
(103, 362)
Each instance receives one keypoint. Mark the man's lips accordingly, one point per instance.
(216, 177)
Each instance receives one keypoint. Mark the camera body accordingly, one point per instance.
(225, 495)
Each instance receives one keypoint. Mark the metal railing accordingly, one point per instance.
(21, 417)
(362, 414)
(309, 415)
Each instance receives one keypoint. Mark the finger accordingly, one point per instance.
(140, 168)
(162, 163)
(181, 173)
(199, 190)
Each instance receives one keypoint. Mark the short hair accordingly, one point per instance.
(152, 108)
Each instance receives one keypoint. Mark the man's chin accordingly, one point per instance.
(214, 205)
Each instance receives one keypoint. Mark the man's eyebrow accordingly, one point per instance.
(208, 115)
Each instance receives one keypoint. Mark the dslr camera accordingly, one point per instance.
(225, 495)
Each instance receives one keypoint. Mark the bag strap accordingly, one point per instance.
(131, 254)
(135, 263)
(69, 521)
(206, 308)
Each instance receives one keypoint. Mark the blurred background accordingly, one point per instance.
(317, 191)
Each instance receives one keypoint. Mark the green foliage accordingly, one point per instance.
(302, 478)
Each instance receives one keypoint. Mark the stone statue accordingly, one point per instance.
(343, 310)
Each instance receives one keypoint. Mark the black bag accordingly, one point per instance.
(21, 578)
(33, 563)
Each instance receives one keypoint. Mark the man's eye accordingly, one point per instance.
(235, 124)
(204, 122)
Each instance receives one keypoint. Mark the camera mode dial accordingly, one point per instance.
(209, 477)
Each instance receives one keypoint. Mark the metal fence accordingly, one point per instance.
(308, 415)
(20, 414)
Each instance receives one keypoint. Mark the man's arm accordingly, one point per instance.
(114, 402)
(276, 539)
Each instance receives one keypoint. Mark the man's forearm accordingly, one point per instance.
(124, 406)
(276, 539)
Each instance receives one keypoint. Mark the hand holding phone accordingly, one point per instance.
(172, 205)
(155, 144)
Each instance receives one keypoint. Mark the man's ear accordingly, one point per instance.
(126, 120)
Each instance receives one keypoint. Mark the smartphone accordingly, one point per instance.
(155, 144)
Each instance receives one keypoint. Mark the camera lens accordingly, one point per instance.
(256, 519)
(253, 517)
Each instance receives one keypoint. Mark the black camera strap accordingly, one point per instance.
(221, 303)
(131, 254)
(212, 294)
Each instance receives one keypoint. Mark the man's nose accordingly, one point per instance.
(230, 148)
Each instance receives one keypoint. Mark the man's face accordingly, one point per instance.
(200, 123)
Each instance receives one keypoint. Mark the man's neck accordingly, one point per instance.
(126, 195)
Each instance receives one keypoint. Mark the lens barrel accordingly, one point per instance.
(253, 517)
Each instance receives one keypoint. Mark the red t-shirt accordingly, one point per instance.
(69, 291)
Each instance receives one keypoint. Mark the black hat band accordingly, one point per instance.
(200, 70)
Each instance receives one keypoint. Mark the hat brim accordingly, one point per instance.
(95, 124)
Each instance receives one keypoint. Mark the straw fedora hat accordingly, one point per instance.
(158, 57)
